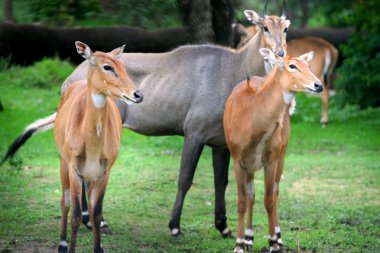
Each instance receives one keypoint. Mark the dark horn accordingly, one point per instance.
(265, 14)
(283, 15)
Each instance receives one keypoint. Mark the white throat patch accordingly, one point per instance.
(288, 97)
(99, 100)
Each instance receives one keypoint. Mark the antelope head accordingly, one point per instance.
(107, 75)
(295, 75)
(274, 29)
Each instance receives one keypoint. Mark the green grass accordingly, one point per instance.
(329, 202)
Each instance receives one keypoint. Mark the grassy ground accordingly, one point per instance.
(329, 202)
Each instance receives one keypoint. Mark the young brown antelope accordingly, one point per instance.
(87, 131)
(322, 65)
(257, 127)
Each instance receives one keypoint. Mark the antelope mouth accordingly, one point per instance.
(314, 91)
(137, 98)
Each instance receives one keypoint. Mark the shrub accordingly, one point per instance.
(359, 82)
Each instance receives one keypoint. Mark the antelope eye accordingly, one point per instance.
(265, 28)
(108, 68)
(285, 30)
(292, 66)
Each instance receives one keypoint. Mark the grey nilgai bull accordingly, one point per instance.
(184, 94)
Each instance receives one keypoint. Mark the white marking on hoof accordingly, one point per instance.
(175, 231)
(279, 241)
(63, 243)
(248, 242)
(89, 224)
(277, 229)
(103, 224)
(226, 231)
(238, 250)
(85, 213)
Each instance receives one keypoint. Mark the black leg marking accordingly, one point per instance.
(191, 152)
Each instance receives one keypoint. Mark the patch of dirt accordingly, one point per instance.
(14, 246)
(333, 190)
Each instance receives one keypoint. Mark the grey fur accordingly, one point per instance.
(184, 94)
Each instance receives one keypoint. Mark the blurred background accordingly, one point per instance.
(34, 29)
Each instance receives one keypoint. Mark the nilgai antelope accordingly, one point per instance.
(185, 91)
(322, 65)
(87, 131)
(257, 128)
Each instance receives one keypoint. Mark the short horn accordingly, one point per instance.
(283, 14)
(265, 14)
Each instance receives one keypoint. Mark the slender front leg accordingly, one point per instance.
(220, 162)
(248, 235)
(76, 213)
(65, 205)
(104, 228)
(241, 183)
(269, 203)
(191, 152)
(96, 196)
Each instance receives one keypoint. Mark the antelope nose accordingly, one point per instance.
(280, 53)
(318, 86)
(138, 96)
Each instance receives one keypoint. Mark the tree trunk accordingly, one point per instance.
(305, 13)
(222, 17)
(110, 5)
(8, 11)
(197, 18)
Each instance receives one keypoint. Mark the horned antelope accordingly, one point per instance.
(322, 65)
(87, 132)
(185, 92)
(257, 128)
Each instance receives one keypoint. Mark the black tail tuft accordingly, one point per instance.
(18, 143)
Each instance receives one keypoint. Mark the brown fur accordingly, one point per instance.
(257, 124)
(322, 49)
(88, 140)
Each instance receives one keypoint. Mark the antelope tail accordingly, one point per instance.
(38, 126)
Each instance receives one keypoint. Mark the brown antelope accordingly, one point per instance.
(257, 128)
(87, 131)
(322, 65)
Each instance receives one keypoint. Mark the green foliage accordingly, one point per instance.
(359, 81)
(48, 73)
(63, 12)
(150, 14)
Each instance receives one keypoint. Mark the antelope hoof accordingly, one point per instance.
(227, 234)
(105, 229)
(324, 124)
(176, 233)
(62, 249)
(101, 250)
(238, 250)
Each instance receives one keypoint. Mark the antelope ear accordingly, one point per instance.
(240, 29)
(307, 57)
(117, 52)
(252, 16)
(85, 51)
